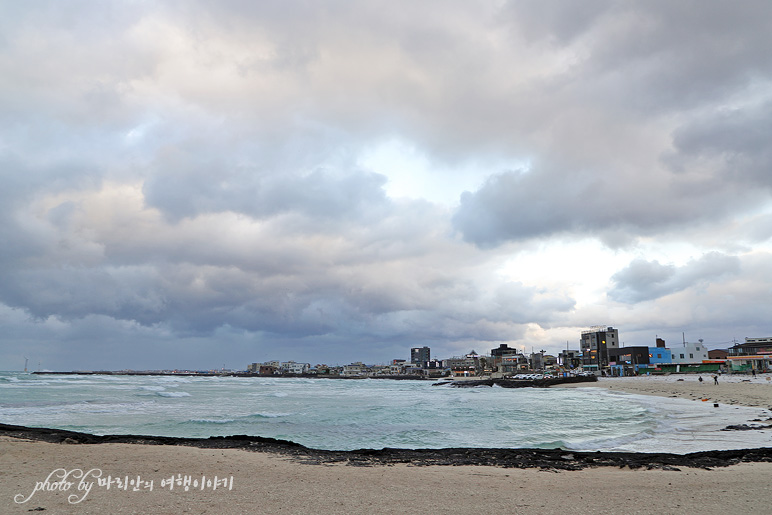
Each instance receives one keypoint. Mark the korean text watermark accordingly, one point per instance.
(79, 483)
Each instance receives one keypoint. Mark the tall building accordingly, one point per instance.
(501, 351)
(420, 355)
(595, 345)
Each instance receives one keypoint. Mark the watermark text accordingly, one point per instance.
(80, 483)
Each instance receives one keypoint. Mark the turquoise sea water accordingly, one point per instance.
(354, 414)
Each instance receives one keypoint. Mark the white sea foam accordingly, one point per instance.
(269, 415)
(211, 421)
(685, 426)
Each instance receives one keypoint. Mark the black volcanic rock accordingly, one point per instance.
(553, 459)
(518, 383)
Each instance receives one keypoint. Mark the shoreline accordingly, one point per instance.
(269, 475)
(735, 389)
(546, 459)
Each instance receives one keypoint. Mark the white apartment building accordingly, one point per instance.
(290, 367)
(688, 353)
(354, 369)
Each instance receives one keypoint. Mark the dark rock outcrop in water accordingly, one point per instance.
(747, 427)
(517, 383)
(551, 459)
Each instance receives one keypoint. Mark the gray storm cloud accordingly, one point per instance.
(188, 175)
(647, 280)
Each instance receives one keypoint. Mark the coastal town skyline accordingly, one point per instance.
(193, 184)
(599, 353)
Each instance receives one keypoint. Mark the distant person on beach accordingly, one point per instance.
(715, 379)
(753, 372)
(700, 379)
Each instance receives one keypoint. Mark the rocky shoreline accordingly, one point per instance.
(548, 459)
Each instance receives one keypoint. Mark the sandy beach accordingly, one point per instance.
(741, 390)
(273, 483)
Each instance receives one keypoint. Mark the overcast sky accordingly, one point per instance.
(207, 184)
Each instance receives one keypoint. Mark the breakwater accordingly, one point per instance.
(517, 383)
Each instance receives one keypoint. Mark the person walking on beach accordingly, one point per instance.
(715, 379)
(700, 379)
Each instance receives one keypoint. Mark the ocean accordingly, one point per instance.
(372, 414)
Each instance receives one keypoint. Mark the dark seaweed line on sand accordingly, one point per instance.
(551, 459)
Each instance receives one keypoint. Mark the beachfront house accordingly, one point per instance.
(718, 354)
(514, 364)
(570, 359)
(627, 361)
(396, 370)
(502, 351)
(690, 357)
(357, 369)
(537, 360)
(290, 367)
(380, 370)
(659, 356)
(689, 353)
(755, 354)
(470, 365)
(267, 370)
